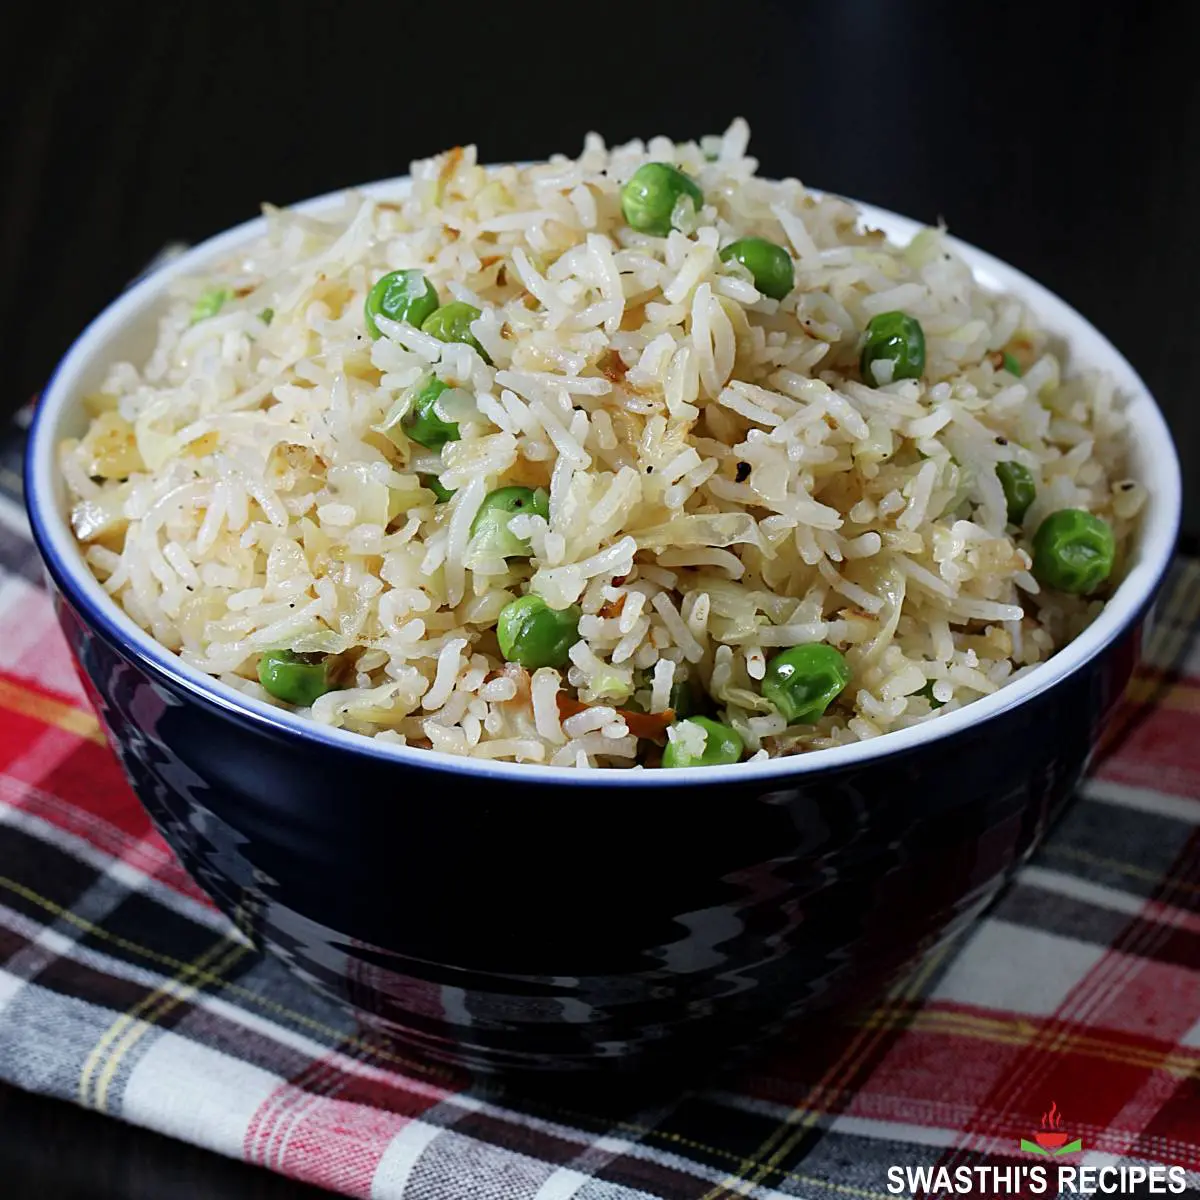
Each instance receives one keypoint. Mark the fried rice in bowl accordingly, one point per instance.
(706, 588)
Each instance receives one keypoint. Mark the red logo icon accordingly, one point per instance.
(1051, 1139)
(1051, 1136)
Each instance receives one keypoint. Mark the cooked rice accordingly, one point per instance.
(722, 481)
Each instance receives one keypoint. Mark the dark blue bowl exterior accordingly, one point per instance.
(523, 925)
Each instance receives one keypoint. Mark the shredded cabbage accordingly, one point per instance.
(924, 247)
(100, 515)
(364, 487)
(709, 529)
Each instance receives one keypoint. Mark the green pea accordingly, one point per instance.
(297, 678)
(722, 745)
(211, 301)
(771, 265)
(1011, 365)
(1019, 489)
(649, 198)
(533, 634)
(400, 296)
(422, 422)
(1073, 551)
(897, 338)
(802, 682)
(452, 323)
(434, 484)
(490, 527)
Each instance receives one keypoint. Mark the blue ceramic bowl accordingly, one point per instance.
(521, 918)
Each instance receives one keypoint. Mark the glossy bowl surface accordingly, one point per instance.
(525, 919)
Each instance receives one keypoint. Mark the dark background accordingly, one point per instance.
(1061, 137)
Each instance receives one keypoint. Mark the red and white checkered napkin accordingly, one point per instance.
(122, 989)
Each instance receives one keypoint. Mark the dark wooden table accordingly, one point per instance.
(1061, 137)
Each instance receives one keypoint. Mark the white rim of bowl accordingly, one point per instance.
(1156, 543)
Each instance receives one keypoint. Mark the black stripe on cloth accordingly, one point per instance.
(18, 556)
(1122, 848)
(1179, 887)
(12, 463)
(42, 872)
(1171, 643)
(67, 976)
(145, 933)
(11, 943)
(1067, 916)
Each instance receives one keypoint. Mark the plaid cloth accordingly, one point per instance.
(123, 989)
